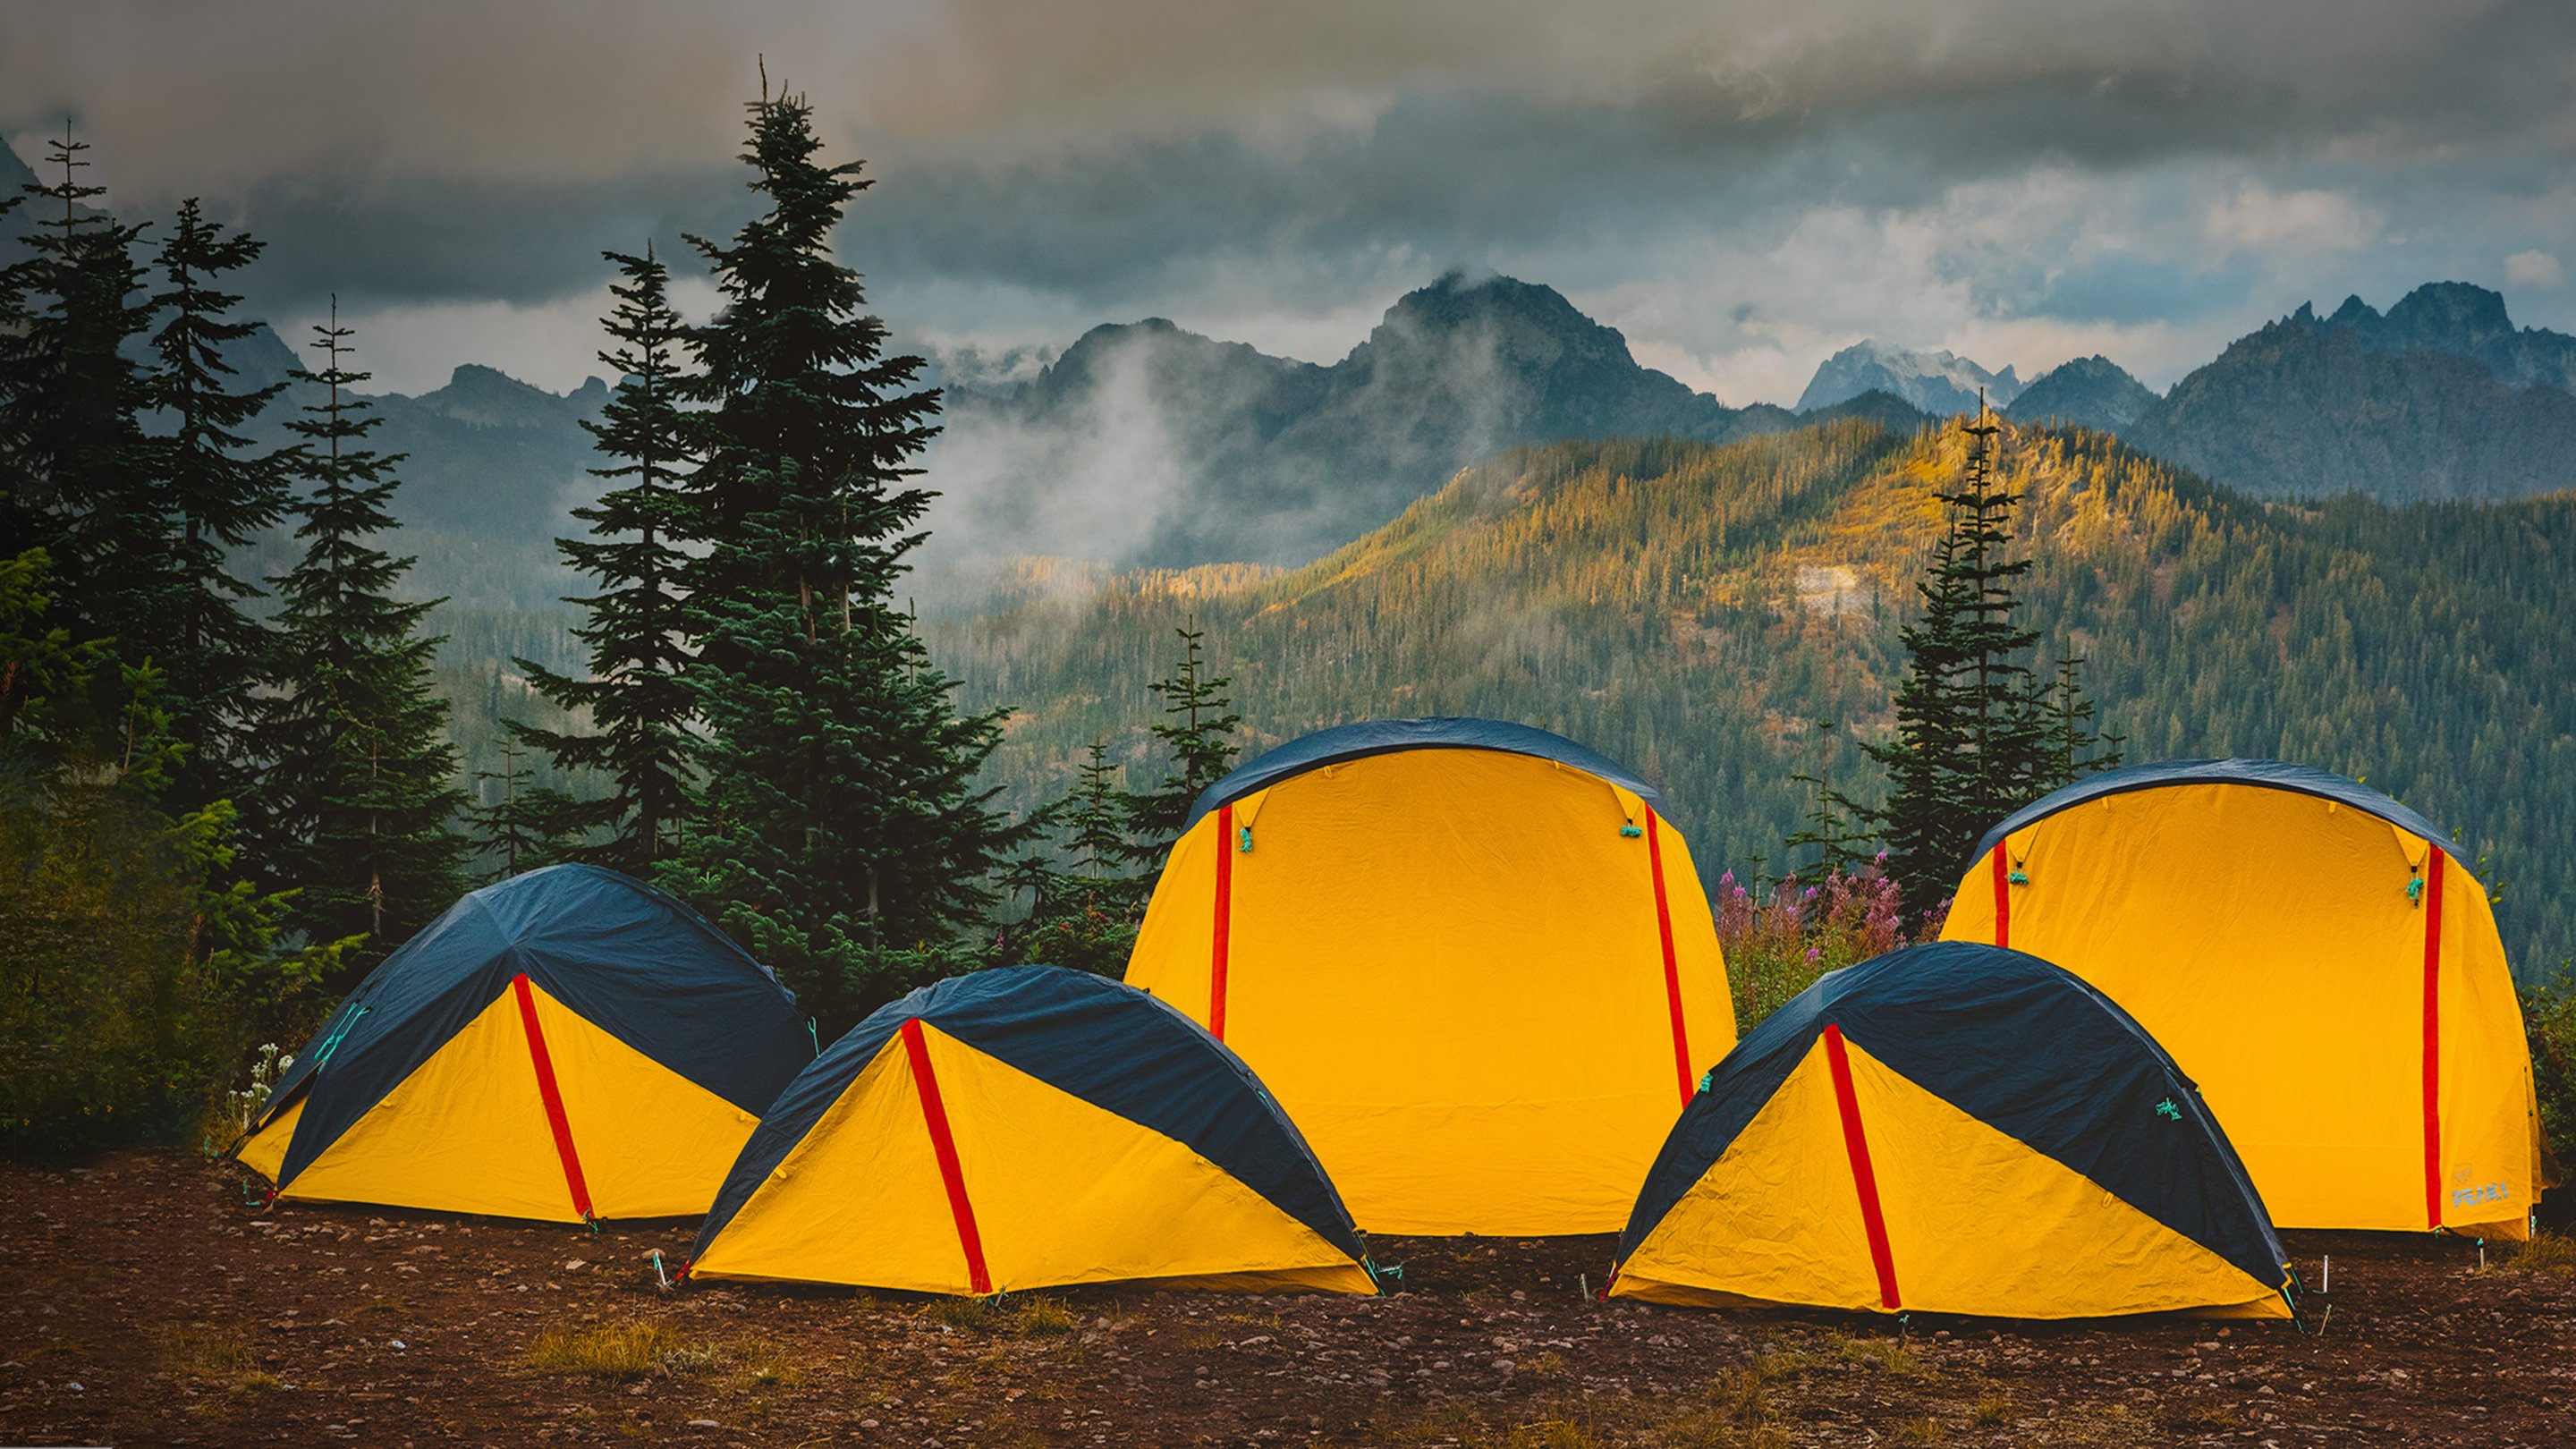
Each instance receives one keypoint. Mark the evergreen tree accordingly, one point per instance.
(1968, 743)
(841, 832)
(18, 516)
(1198, 718)
(2075, 747)
(1833, 818)
(72, 398)
(524, 828)
(638, 701)
(356, 794)
(218, 496)
(1086, 914)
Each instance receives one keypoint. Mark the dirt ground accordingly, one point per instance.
(147, 1300)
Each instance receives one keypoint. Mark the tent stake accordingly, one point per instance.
(2325, 1275)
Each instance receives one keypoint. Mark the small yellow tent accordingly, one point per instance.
(568, 1044)
(2315, 954)
(1024, 1128)
(1952, 1129)
(1469, 957)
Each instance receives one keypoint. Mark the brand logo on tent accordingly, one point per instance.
(2463, 1194)
(2167, 1109)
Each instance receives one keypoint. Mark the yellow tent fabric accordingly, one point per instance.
(1482, 977)
(2310, 951)
(468, 1130)
(566, 1045)
(2012, 1147)
(1028, 1128)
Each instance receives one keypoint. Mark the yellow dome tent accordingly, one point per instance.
(1469, 958)
(569, 1044)
(1952, 1129)
(1024, 1128)
(2316, 954)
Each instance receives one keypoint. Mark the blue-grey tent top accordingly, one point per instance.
(1387, 736)
(633, 961)
(2265, 774)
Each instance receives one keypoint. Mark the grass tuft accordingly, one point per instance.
(1895, 1355)
(608, 1350)
(1043, 1318)
(1030, 1317)
(2551, 1255)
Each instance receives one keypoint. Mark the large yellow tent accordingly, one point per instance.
(1023, 1128)
(1952, 1128)
(2316, 954)
(1469, 957)
(566, 1045)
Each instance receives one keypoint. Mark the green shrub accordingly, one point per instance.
(133, 972)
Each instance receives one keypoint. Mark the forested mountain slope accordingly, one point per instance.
(1693, 609)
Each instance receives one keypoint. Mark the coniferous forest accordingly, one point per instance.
(227, 791)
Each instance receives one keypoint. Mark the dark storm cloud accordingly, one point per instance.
(1697, 164)
(381, 241)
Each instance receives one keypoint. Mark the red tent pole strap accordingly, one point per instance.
(2003, 896)
(2433, 1039)
(1672, 964)
(553, 1096)
(934, 1115)
(1224, 920)
(1857, 1145)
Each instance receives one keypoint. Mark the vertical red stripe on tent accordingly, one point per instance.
(2003, 897)
(552, 1095)
(1857, 1145)
(934, 1115)
(1224, 920)
(1672, 964)
(2433, 1040)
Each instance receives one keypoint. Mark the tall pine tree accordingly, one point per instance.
(1971, 742)
(219, 494)
(638, 701)
(840, 832)
(72, 399)
(1084, 914)
(357, 793)
(1198, 719)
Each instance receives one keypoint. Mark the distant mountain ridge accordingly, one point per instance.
(2090, 392)
(1145, 443)
(1939, 383)
(2440, 398)
(491, 469)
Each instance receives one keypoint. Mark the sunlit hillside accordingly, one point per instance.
(1696, 609)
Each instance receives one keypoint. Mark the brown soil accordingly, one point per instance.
(146, 1301)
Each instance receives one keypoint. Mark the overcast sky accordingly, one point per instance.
(1741, 186)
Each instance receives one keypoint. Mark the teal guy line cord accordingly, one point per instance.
(322, 1058)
